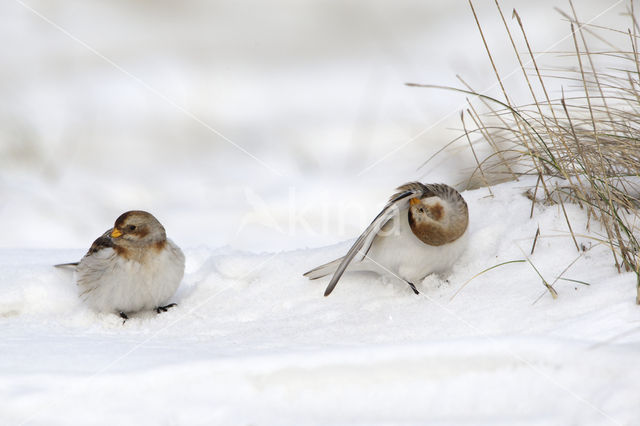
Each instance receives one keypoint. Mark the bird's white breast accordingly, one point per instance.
(399, 252)
(112, 283)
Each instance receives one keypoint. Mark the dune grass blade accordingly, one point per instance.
(482, 272)
(574, 281)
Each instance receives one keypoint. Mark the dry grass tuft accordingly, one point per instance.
(584, 148)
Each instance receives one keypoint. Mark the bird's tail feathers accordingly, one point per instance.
(323, 270)
(67, 265)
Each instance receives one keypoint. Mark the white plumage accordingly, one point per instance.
(109, 282)
(422, 230)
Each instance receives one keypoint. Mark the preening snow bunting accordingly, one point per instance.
(131, 267)
(421, 230)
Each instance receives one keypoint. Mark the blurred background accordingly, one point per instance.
(260, 125)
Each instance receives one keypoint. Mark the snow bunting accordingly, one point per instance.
(421, 230)
(131, 267)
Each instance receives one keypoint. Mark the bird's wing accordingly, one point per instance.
(100, 243)
(396, 203)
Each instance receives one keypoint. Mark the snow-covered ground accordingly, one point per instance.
(254, 342)
(265, 136)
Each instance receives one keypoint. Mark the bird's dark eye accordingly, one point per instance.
(131, 227)
(421, 210)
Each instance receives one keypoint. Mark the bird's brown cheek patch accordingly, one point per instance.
(141, 232)
(437, 211)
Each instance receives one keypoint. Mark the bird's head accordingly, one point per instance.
(137, 228)
(435, 221)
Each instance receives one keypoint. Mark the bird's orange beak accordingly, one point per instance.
(116, 233)
(414, 201)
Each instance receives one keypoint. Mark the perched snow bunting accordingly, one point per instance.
(131, 267)
(421, 230)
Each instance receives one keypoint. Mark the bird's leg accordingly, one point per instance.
(165, 308)
(124, 317)
(413, 287)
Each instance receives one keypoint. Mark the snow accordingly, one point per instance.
(314, 91)
(254, 342)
